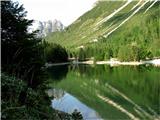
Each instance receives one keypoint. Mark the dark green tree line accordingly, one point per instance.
(55, 53)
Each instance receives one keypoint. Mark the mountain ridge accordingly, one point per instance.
(108, 20)
(46, 27)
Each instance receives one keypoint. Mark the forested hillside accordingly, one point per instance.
(127, 30)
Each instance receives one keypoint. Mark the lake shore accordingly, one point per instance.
(155, 62)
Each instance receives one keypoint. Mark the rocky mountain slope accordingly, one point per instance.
(113, 24)
(47, 27)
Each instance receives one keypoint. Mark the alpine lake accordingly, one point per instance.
(106, 92)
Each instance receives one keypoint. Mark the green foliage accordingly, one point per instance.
(129, 53)
(37, 102)
(81, 54)
(22, 52)
(108, 53)
(99, 55)
(133, 53)
(134, 41)
(56, 53)
(124, 54)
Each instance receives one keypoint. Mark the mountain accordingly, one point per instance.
(115, 29)
(47, 27)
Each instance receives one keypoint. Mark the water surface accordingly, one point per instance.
(101, 91)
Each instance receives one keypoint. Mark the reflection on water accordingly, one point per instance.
(123, 92)
(67, 103)
(58, 72)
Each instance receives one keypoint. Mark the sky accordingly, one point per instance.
(67, 11)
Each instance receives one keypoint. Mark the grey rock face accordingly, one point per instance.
(46, 27)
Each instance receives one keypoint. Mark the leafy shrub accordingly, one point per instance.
(36, 106)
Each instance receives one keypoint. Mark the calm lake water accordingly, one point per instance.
(105, 92)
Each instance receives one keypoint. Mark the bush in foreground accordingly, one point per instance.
(36, 104)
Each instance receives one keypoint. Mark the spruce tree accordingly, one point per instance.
(21, 51)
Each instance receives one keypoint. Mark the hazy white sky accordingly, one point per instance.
(66, 11)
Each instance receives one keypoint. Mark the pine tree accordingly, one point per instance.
(22, 52)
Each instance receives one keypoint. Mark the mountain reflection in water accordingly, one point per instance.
(123, 92)
(67, 103)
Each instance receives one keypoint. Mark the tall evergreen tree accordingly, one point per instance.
(22, 52)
